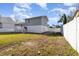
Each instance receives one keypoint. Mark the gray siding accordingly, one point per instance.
(6, 20)
(0, 25)
(33, 21)
(7, 24)
(42, 20)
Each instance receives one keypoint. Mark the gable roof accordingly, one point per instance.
(76, 14)
(6, 20)
(37, 17)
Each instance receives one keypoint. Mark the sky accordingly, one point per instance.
(53, 11)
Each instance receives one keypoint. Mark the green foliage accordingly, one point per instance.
(69, 18)
(58, 26)
(63, 19)
(50, 27)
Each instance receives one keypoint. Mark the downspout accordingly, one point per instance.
(76, 33)
(76, 25)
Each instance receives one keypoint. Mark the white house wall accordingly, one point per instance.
(37, 29)
(18, 28)
(7, 28)
(71, 33)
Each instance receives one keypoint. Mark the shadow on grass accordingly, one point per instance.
(9, 33)
(46, 33)
(53, 34)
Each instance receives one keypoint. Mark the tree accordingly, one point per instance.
(69, 18)
(58, 26)
(63, 19)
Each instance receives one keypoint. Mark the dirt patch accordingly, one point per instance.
(43, 46)
(6, 47)
(29, 44)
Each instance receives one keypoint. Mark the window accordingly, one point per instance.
(25, 28)
(0, 25)
(28, 21)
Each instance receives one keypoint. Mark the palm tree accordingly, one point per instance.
(63, 19)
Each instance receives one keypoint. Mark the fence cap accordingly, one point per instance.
(76, 13)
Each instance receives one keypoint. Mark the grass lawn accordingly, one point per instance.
(35, 44)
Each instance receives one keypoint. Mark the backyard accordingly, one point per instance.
(35, 45)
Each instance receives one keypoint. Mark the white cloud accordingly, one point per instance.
(19, 17)
(53, 20)
(13, 17)
(42, 5)
(21, 11)
(61, 11)
(68, 10)
(24, 5)
(23, 15)
(57, 9)
(69, 4)
(72, 8)
(16, 9)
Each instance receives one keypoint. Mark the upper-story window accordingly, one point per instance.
(0, 25)
(28, 21)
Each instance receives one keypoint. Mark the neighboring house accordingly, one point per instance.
(37, 24)
(55, 30)
(7, 24)
(71, 31)
(34, 25)
(20, 27)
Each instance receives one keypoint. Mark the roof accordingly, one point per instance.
(6, 20)
(76, 14)
(19, 23)
(36, 17)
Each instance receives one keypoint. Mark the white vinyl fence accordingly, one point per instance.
(71, 33)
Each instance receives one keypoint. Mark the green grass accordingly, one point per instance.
(14, 38)
(35, 44)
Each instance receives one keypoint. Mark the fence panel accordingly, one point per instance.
(69, 32)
